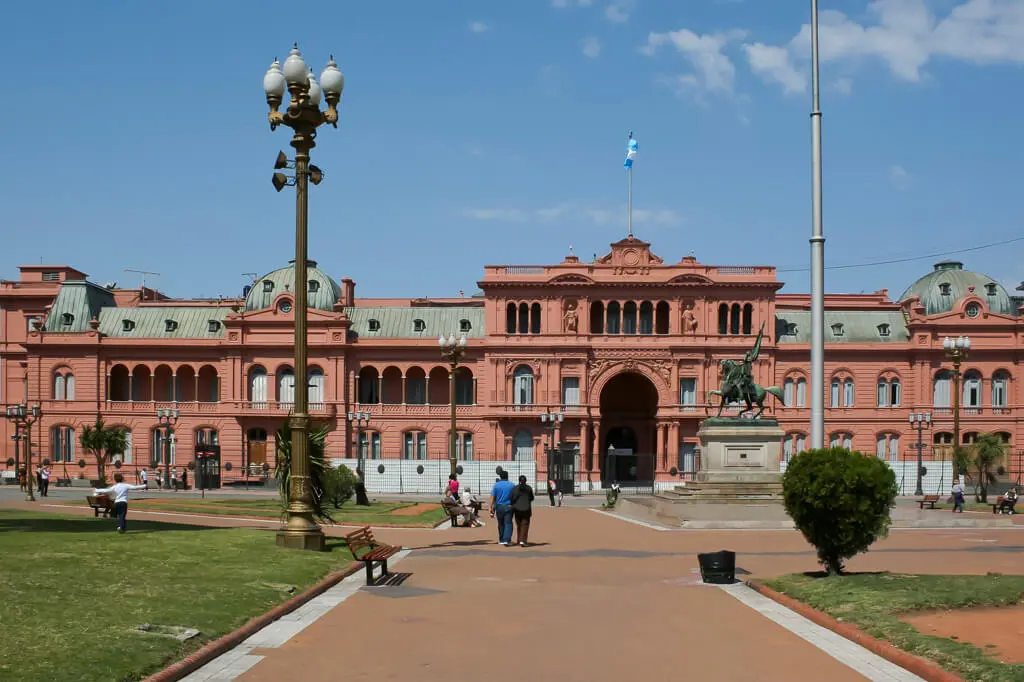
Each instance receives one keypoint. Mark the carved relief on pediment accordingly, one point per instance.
(512, 363)
(631, 256)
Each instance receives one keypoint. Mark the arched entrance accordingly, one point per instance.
(629, 411)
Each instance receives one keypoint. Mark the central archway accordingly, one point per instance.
(629, 411)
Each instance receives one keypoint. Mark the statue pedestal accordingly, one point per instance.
(739, 451)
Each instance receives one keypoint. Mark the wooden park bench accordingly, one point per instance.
(1000, 502)
(366, 549)
(100, 503)
(930, 500)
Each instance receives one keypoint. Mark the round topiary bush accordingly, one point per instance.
(840, 501)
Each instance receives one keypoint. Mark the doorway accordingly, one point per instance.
(629, 410)
(256, 454)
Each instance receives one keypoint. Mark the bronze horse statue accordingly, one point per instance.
(746, 391)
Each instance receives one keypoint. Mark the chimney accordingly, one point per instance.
(348, 291)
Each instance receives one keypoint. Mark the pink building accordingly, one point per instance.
(626, 348)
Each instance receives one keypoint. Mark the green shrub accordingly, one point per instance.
(840, 500)
(316, 446)
(339, 485)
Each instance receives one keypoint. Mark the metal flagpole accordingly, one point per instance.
(629, 194)
(817, 254)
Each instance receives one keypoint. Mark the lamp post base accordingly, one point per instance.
(310, 539)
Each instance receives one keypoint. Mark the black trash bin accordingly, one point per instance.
(718, 568)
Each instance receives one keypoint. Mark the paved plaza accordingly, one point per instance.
(597, 597)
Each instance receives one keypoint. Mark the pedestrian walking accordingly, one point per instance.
(44, 480)
(522, 510)
(120, 491)
(145, 478)
(184, 479)
(501, 507)
(958, 496)
(552, 491)
(174, 479)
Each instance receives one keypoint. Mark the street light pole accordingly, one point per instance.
(303, 116)
(920, 421)
(23, 418)
(452, 351)
(167, 419)
(956, 350)
(817, 254)
(360, 421)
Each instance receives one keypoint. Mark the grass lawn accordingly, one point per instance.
(72, 591)
(417, 514)
(874, 602)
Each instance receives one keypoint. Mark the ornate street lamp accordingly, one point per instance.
(303, 116)
(956, 350)
(452, 351)
(167, 419)
(551, 422)
(919, 421)
(23, 417)
(359, 421)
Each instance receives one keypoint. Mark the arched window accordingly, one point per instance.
(369, 386)
(788, 389)
(522, 446)
(161, 443)
(464, 446)
(841, 440)
(369, 445)
(614, 324)
(464, 394)
(58, 386)
(748, 318)
(120, 384)
(510, 318)
(629, 318)
(801, 392)
(125, 457)
(895, 392)
(941, 391)
(206, 435)
(723, 318)
(793, 444)
(286, 387)
(316, 388)
(887, 447)
(734, 319)
(62, 444)
(972, 389)
(535, 318)
(63, 385)
(1000, 386)
(209, 384)
(597, 317)
(522, 385)
(661, 312)
(258, 386)
(524, 319)
(415, 386)
(835, 389)
(848, 393)
(883, 393)
(414, 445)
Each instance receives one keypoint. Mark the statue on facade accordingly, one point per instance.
(689, 320)
(738, 382)
(571, 319)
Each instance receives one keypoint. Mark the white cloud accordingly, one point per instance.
(906, 35)
(899, 177)
(591, 47)
(713, 70)
(576, 213)
(617, 13)
(773, 64)
(842, 85)
(478, 27)
(561, 4)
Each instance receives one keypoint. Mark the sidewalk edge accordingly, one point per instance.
(921, 667)
(212, 650)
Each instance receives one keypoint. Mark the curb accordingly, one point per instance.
(212, 650)
(921, 667)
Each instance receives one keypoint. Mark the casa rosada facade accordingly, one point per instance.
(626, 347)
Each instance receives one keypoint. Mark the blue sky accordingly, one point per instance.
(478, 132)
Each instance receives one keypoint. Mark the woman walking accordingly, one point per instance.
(522, 510)
(958, 496)
(120, 490)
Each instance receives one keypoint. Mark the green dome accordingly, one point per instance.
(323, 292)
(940, 289)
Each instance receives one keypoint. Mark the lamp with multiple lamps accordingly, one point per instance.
(23, 417)
(957, 350)
(167, 418)
(452, 351)
(303, 115)
(919, 421)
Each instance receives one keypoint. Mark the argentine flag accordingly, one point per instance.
(631, 149)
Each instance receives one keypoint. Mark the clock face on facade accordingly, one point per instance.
(973, 310)
(285, 306)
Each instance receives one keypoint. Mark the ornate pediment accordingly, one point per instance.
(631, 256)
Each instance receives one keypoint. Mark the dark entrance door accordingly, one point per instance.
(256, 455)
(562, 467)
(621, 455)
(207, 474)
(629, 408)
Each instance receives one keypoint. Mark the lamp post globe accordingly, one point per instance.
(331, 79)
(314, 90)
(274, 84)
(295, 68)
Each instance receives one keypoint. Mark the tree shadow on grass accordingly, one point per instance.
(844, 574)
(88, 525)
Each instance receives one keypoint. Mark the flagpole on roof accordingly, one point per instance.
(630, 153)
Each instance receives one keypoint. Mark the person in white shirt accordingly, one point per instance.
(145, 478)
(120, 492)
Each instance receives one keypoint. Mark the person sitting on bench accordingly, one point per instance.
(1008, 502)
(471, 501)
(452, 505)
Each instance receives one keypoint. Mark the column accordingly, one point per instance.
(106, 395)
(673, 443)
(174, 386)
(152, 386)
(196, 393)
(131, 390)
(659, 453)
(585, 443)
(403, 388)
(380, 388)
(595, 458)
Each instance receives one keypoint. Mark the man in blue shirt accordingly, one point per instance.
(501, 507)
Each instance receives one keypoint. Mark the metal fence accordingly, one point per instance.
(430, 476)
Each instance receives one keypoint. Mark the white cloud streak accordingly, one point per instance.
(569, 212)
(591, 47)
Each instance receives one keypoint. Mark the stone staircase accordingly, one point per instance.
(724, 492)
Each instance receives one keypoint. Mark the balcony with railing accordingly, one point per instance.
(270, 407)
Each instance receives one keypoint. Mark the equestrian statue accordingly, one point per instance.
(738, 382)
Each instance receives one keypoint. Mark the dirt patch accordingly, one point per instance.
(414, 510)
(998, 631)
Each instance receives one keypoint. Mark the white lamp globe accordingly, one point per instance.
(273, 82)
(331, 79)
(295, 69)
(314, 90)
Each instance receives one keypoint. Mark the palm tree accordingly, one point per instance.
(985, 454)
(103, 442)
(317, 467)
